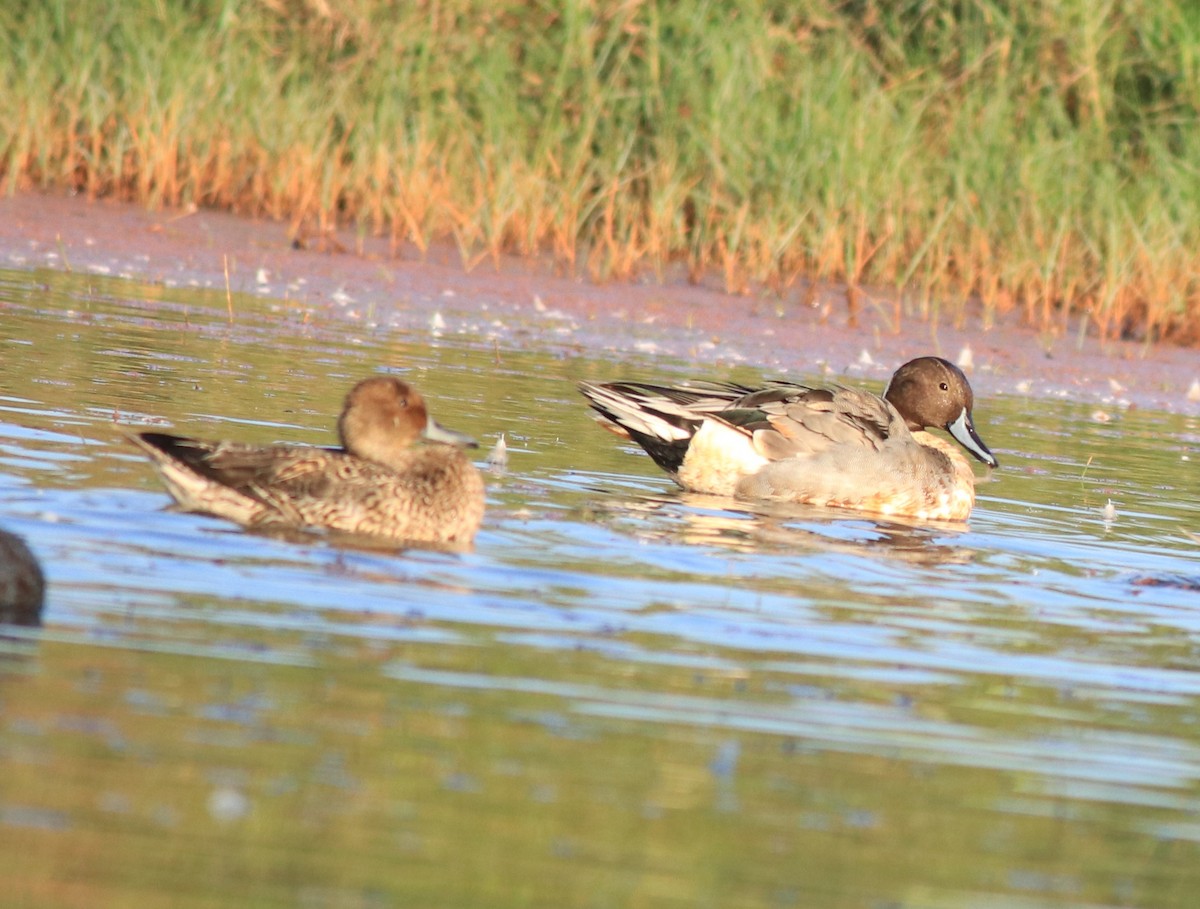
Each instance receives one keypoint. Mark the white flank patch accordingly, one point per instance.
(717, 458)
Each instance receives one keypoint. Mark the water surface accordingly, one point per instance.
(625, 696)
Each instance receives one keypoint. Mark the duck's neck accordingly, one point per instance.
(962, 467)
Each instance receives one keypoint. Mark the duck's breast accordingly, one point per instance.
(438, 496)
(910, 478)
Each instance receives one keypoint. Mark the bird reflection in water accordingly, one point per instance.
(699, 519)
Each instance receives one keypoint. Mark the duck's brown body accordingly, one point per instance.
(375, 485)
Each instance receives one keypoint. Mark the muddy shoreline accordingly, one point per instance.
(364, 278)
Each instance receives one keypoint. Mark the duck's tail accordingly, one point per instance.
(183, 465)
(661, 419)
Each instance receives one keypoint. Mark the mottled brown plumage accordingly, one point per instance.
(377, 484)
(820, 445)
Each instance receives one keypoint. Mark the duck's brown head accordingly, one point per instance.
(383, 416)
(930, 391)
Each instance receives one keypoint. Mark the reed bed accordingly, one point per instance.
(1038, 158)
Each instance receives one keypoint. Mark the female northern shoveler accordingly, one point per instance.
(376, 484)
(818, 445)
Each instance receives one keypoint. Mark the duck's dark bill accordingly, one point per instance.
(964, 431)
(435, 432)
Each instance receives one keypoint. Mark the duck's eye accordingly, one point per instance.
(945, 386)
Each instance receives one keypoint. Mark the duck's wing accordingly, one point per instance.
(668, 412)
(270, 474)
(235, 464)
(788, 420)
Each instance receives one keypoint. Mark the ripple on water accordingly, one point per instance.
(1021, 657)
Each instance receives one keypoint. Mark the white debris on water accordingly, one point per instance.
(227, 804)
(1193, 393)
(497, 459)
(966, 359)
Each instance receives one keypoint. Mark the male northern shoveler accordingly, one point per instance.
(376, 484)
(819, 445)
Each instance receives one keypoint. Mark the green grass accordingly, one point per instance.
(1039, 157)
